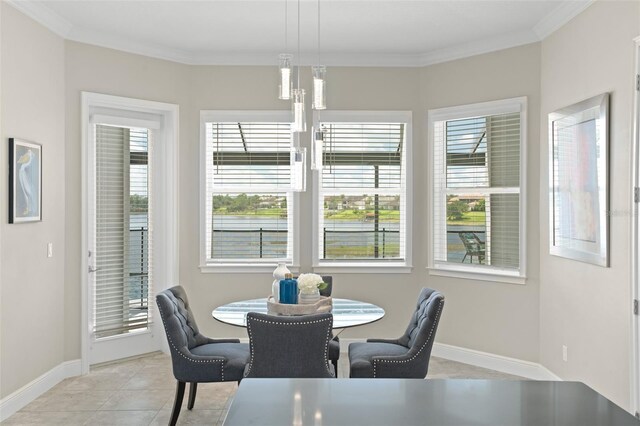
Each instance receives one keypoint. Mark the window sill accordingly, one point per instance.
(469, 274)
(244, 268)
(133, 333)
(363, 268)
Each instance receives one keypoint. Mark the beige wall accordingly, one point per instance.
(487, 316)
(583, 306)
(32, 108)
(498, 318)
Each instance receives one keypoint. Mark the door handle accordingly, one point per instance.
(93, 269)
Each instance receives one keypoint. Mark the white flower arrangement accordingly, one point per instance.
(310, 283)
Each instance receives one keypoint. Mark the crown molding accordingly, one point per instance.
(44, 16)
(65, 29)
(478, 47)
(96, 38)
(308, 59)
(560, 16)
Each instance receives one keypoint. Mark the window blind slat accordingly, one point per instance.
(123, 224)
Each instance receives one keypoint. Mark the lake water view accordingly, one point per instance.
(342, 236)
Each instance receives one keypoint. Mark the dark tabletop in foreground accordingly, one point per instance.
(420, 402)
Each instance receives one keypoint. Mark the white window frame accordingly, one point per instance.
(468, 271)
(367, 265)
(208, 266)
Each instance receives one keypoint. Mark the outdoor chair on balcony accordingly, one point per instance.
(196, 358)
(406, 357)
(473, 246)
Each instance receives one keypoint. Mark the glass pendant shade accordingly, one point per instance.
(298, 169)
(316, 147)
(285, 76)
(319, 87)
(299, 116)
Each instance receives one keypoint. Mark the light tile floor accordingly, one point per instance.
(140, 391)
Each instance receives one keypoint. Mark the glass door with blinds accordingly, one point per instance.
(121, 242)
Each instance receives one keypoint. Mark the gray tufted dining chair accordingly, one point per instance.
(405, 357)
(334, 343)
(289, 347)
(196, 358)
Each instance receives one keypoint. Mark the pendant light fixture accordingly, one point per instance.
(286, 81)
(298, 154)
(299, 116)
(317, 146)
(319, 76)
(298, 167)
(285, 76)
(319, 103)
(319, 87)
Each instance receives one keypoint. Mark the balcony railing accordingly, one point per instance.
(272, 243)
(138, 269)
(268, 243)
(380, 244)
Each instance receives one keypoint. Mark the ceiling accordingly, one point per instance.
(352, 32)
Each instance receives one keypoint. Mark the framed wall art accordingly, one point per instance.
(579, 181)
(25, 181)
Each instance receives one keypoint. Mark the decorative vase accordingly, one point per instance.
(278, 274)
(309, 298)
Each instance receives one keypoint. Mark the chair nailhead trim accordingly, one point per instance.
(203, 361)
(326, 345)
(437, 319)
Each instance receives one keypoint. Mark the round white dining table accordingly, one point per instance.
(346, 312)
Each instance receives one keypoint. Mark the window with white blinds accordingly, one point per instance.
(249, 204)
(478, 187)
(123, 230)
(362, 191)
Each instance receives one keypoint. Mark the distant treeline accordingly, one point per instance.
(138, 203)
(244, 202)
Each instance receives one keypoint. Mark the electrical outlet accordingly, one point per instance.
(49, 249)
(564, 353)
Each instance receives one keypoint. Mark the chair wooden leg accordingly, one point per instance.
(177, 403)
(335, 366)
(192, 395)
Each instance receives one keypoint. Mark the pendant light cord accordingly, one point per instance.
(286, 25)
(297, 135)
(299, 57)
(318, 32)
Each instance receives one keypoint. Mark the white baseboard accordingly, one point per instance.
(503, 364)
(514, 366)
(32, 390)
